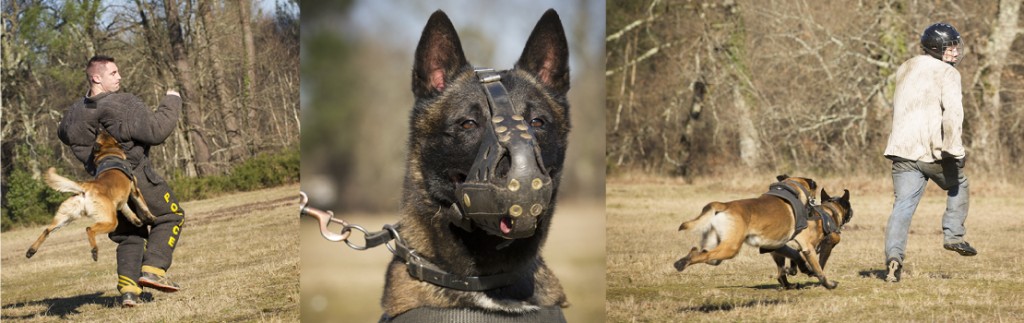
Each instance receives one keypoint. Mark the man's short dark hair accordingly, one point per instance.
(95, 62)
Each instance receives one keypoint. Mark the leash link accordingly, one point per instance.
(325, 218)
(372, 239)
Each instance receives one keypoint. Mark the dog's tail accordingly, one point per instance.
(62, 184)
(704, 219)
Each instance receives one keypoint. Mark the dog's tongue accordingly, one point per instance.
(506, 225)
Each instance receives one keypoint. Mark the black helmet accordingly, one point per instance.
(937, 37)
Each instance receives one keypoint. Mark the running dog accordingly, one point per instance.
(817, 241)
(100, 198)
(485, 155)
(767, 222)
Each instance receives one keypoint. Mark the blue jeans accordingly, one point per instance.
(908, 180)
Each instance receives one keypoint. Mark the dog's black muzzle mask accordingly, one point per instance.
(508, 187)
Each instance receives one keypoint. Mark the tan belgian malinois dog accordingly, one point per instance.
(99, 199)
(816, 239)
(767, 222)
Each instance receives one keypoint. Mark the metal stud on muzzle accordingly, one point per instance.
(507, 187)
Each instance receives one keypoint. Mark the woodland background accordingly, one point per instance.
(713, 87)
(235, 64)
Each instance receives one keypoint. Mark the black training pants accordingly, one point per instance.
(154, 244)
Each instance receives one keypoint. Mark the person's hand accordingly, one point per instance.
(174, 93)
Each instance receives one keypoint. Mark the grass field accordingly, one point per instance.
(938, 285)
(237, 260)
(343, 285)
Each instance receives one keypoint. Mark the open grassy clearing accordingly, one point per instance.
(644, 214)
(343, 285)
(237, 261)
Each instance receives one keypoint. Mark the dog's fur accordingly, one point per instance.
(99, 199)
(446, 128)
(815, 243)
(767, 222)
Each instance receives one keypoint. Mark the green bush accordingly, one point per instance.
(262, 171)
(28, 201)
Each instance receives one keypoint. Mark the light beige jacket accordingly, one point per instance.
(928, 113)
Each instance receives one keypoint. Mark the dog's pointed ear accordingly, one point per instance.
(546, 55)
(439, 57)
(781, 177)
(824, 195)
(846, 195)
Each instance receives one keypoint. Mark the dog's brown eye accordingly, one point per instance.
(469, 124)
(537, 122)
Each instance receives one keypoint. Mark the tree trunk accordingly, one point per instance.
(183, 72)
(226, 106)
(244, 9)
(987, 145)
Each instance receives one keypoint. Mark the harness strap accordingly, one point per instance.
(791, 196)
(467, 315)
(115, 163)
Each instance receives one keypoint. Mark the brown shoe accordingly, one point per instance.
(160, 283)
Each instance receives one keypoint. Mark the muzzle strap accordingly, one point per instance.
(507, 187)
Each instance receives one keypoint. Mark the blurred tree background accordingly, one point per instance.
(234, 62)
(356, 89)
(715, 87)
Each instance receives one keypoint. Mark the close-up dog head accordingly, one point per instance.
(490, 143)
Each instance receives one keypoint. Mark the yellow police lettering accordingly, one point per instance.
(167, 197)
(174, 207)
(170, 242)
(175, 230)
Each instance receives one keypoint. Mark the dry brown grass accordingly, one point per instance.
(644, 213)
(237, 261)
(343, 285)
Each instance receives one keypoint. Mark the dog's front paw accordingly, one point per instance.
(95, 254)
(682, 263)
(30, 253)
(135, 221)
(830, 285)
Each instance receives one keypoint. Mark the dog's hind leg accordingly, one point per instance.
(731, 240)
(780, 263)
(106, 221)
(71, 209)
(128, 214)
(140, 204)
(710, 241)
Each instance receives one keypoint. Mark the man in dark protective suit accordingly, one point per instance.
(143, 253)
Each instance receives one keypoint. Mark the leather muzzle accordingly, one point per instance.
(507, 188)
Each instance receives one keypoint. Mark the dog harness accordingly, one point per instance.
(828, 224)
(790, 195)
(466, 315)
(504, 203)
(113, 162)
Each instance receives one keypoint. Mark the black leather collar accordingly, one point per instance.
(424, 270)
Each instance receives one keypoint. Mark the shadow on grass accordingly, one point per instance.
(876, 273)
(778, 286)
(65, 306)
(728, 306)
